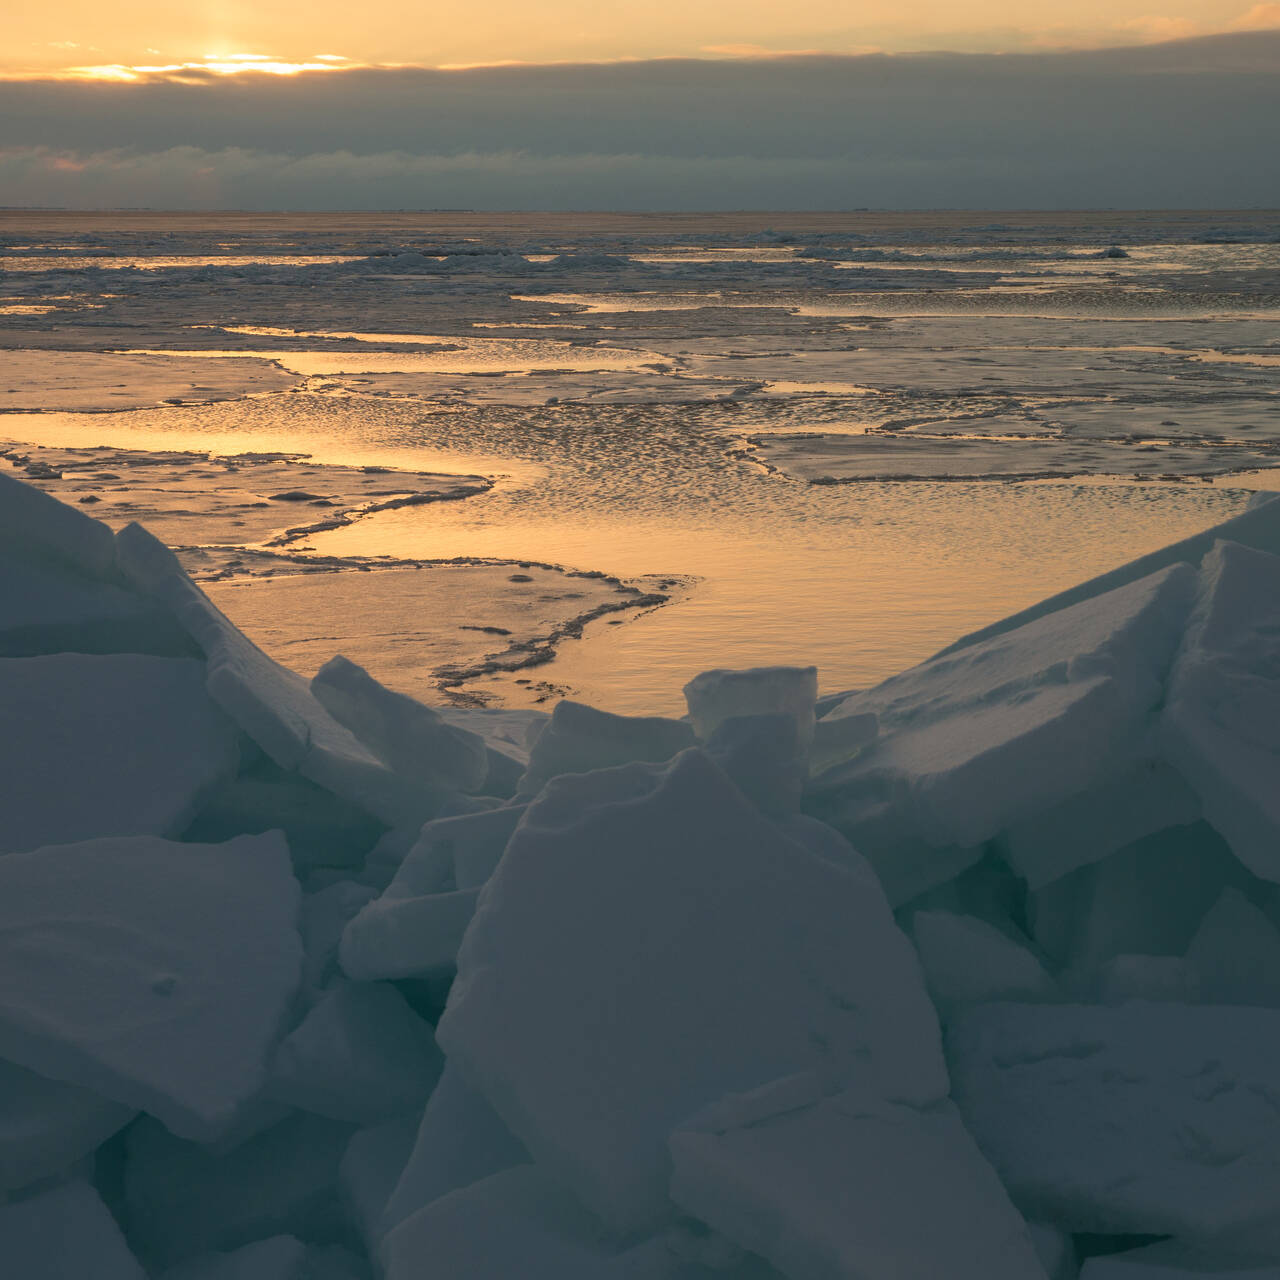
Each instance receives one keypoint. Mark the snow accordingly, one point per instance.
(758, 960)
(137, 735)
(166, 1000)
(42, 530)
(1235, 956)
(1146, 1118)
(837, 1186)
(406, 935)
(64, 1234)
(716, 695)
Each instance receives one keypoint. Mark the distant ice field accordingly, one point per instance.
(858, 436)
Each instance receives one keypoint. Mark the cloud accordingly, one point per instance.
(1261, 17)
(1157, 26)
(976, 131)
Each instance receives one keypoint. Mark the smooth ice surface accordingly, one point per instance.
(990, 735)
(1235, 956)
(1141, 1118)
(64, 1234)
(153, 973)
(361, 1054)
(406, 935)
(272, 705)
(647, 945)
(371, 1166)
(46, 1126)
(39, 527)
(849, 1187)
(110, 745)
(1221, 724)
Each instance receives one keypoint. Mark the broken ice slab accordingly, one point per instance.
(1145, 1118)
(409, 737)
(409, 936)
(1221, 723)
(155, 974)
(579, 739)
(274, 706)
(989, 736)
(1235, 956)
(106, 746)
(716, 695)
(832, 1185)
(64, 1234)
(648, 944)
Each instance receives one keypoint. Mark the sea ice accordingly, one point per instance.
(38, 528)
(647, 945)
(153, 973)
(275, 707)
(1143, 1118)
(989, 736)
(1235, 956)
(46, 1126)
(1221, 723)
(716, 695)
(1171, 1261)
(410, 738)
(113, 745)
(361, 1055)
(406, 935)
(578, 739)
(64, 1234)
(371, 1166)
(845, 1186)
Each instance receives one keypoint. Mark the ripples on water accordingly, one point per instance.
(629, 449)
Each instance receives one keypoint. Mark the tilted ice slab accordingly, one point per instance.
(152, 973)
(1142, 1118)
(64, 1234)
(845, 1186)
(112, 745)
(274, 706)
(648, 944)
(976, 740)
(1221, 723)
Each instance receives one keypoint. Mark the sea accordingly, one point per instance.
(840, 439)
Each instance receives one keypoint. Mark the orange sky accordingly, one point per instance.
(56, 37)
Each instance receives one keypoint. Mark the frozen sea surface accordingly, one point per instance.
(854, 437)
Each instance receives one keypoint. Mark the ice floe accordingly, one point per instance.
(972, 973)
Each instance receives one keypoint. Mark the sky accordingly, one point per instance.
(695, 105)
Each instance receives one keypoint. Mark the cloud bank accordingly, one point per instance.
(1192, 123)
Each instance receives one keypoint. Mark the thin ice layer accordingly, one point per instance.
(647, 945)
(153, 973)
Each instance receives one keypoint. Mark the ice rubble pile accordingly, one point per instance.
(975, 974)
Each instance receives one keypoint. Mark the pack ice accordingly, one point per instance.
(974, 975)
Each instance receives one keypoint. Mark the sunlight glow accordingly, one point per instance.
(213, 64)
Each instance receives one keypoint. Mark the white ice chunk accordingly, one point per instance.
(476, 841)
(406, 937)
(184, 1199)
(370, 1169)
(280, 1258)
(1235, 956)
(1056, 1250)
(408, 736)
(765, 758)
(968, 961)
(1221, 722)
(65, 1234)
(155, 974)
(105, 746)
(647, 945)
(460, 1141)
(35, 524)
(1143, 1118)
(579, 739)
(46, 1126)
(361, 1054)
(988, 736)
(325, 914)
(274, 706)
(1088, 827)
(849, 1187)
(716, 695)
